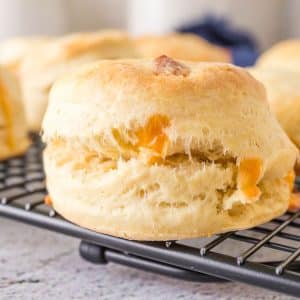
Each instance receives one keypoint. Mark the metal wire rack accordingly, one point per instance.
(264, 256)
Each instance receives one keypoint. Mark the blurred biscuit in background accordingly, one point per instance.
(42, 66)
(13, 128)
(279, 70)
(181, 46)
(283, 55)
(283, 91)
(13, 50)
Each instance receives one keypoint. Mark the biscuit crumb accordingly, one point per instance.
(169, 66)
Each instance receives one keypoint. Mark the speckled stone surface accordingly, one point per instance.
(37, 264)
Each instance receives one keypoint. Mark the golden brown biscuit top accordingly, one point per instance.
(181, 46)
(164, 77)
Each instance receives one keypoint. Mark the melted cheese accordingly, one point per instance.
(153, 137)
(48, 200)
(7, 113)
(248, 175)
(294, 203)
(251, 191)
(290, 179)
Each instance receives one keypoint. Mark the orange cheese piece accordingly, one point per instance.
(294, 203)
(48, 200)
(248, 175)
(152, 136)
(7, 113)
(290, 178)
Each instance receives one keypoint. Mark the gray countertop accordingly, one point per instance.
(37, 264)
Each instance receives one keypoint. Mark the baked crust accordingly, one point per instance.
(162, 149)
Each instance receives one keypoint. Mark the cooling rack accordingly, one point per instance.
(264, 256)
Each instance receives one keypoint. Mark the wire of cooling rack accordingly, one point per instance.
(22, 192)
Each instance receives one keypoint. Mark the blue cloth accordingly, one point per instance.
(218, 31)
